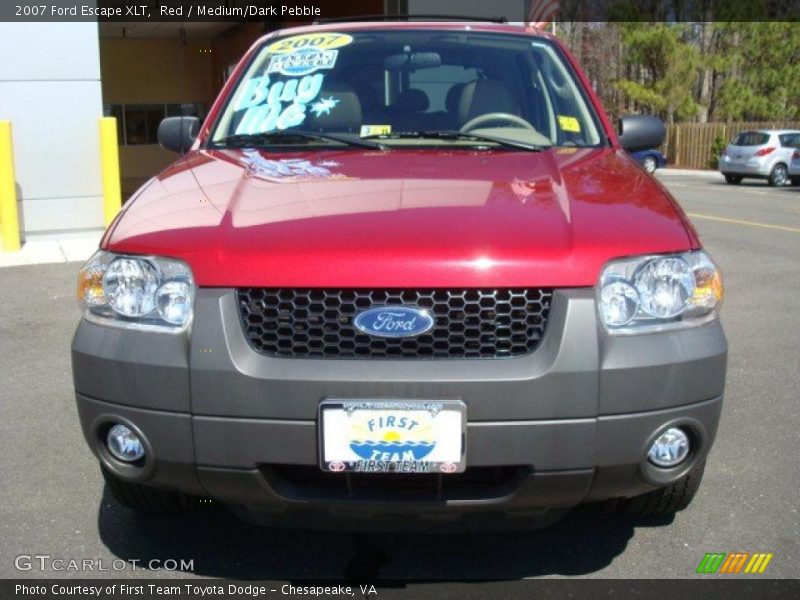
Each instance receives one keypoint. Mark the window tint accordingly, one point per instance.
(141, 123)
(790, 140)
(751, 138)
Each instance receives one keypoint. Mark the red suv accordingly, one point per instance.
(404, 275)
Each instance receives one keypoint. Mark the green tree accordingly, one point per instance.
(705, 70)
(758, 71)
(662, 70)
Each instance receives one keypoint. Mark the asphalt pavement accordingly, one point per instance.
(52, 499)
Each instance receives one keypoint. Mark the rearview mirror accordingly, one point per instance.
(412, 60)
(178, 133)
(641, 132)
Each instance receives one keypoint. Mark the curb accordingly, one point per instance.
(690, 173)
(48, 250)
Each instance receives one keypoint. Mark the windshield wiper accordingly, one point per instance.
(459, 135)
(293, 137)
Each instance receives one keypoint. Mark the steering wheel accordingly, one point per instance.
(496, 116)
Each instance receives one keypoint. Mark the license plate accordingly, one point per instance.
(393, 436)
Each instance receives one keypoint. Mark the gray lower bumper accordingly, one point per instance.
(746, 169)
(570, 423)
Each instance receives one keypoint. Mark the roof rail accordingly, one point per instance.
(409, 18)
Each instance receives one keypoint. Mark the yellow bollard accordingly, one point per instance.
(9, 220)
(109, 158)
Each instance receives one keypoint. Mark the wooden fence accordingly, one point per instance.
(689, 144)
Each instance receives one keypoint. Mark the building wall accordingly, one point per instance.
(154, 71)
(50, 91)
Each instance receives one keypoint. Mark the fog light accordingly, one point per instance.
(124, 444)
(670, 448)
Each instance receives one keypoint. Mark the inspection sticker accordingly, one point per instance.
(368, 130)
(569, 124)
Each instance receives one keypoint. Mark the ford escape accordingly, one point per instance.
(403, 275)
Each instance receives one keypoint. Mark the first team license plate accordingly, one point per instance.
(392, 436)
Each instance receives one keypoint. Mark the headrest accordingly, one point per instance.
(410, 101)
(453, 96)
(343, 110)
(485, 96)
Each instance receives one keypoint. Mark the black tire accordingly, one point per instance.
(143, 498)
(733, 179)
(650, 164)
(668, 500)
(778, 175)
(794, 180)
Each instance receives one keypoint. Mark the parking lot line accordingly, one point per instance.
(742, 222)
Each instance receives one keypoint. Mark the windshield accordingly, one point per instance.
(405, 87)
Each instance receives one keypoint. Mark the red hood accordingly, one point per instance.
(402, 218)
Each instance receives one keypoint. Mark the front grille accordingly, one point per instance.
(469, 323)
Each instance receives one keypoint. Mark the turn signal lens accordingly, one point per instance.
(90, 286)
(708, 290)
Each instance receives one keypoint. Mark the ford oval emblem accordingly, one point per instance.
(394, 321)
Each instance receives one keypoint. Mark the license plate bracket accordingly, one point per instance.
(392, 436)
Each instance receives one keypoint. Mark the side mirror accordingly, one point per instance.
(178, 133)
(641, 132)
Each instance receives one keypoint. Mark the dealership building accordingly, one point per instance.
(58, 78)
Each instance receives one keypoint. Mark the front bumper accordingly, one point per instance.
(567, 424)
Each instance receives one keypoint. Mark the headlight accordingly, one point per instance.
(130, 285)
(137, 292)
(665, 286)
(620, 303)
(653, 293)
